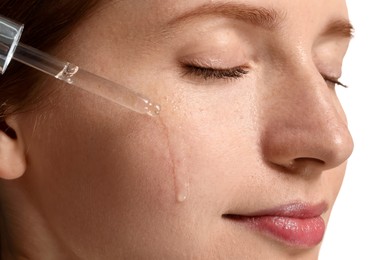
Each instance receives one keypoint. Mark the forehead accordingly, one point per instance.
(163, 9)
(304, 15)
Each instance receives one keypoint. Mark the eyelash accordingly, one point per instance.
(213, 73)
(334, 81)
(233, 73)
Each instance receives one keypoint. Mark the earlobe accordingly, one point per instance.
(12, 157)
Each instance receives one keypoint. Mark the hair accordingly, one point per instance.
(47, 23)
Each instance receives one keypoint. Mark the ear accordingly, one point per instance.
(12, 156)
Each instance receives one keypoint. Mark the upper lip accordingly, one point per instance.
(292, 210)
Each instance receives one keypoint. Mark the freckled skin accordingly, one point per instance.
(102, 182)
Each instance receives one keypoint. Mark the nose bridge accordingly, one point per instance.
(307, 99)
(303, 121)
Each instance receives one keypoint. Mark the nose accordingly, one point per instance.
(303, 124)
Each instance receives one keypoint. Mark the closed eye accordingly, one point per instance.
(208, 73)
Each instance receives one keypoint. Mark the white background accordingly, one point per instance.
(360, 223)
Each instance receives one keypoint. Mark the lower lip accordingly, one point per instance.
(300, 232)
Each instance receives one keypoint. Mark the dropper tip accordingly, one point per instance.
(152, 109)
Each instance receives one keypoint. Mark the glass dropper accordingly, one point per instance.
(10, 48)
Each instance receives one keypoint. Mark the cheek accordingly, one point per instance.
(100, 163)
(334, 179)
(212, 136)
(331, 184)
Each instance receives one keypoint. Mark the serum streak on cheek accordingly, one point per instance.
(180, 176)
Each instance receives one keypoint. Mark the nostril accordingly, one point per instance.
(303, 160)
(302, 165)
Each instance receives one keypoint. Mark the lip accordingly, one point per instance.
(295, 224)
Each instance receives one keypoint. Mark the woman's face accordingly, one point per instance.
(246, 158)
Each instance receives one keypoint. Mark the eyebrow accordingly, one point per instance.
(260, 16)
(341, 28)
